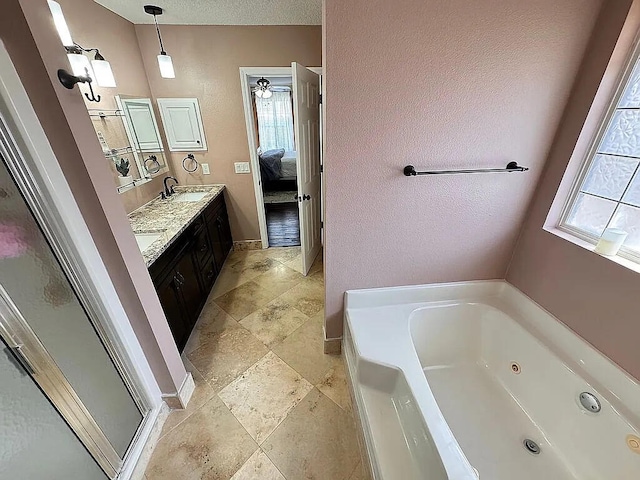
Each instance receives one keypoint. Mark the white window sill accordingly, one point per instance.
(625, 262)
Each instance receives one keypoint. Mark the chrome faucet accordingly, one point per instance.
(168, 191)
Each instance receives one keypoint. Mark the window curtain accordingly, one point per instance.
(275, 121)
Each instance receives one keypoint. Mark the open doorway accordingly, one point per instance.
(272, 106)
(282, 113)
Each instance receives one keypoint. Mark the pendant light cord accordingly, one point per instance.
(155, 19)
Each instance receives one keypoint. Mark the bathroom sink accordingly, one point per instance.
(146, 239)
(190, 196)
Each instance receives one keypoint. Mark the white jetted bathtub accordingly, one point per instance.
(474, 380)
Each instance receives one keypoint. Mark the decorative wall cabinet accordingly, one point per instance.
(182, 124)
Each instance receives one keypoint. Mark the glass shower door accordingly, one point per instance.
(35, 442)
(43, 312)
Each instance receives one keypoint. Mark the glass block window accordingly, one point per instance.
(607, 194)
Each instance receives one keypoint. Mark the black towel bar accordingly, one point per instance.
(410, 170)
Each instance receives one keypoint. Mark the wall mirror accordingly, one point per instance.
(130, 141)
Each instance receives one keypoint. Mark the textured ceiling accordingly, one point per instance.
(222, 12)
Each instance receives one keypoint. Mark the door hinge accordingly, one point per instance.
(321, 168)
(320, 98)
(321, 224)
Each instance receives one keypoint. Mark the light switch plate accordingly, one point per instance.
(205, 168)
(242, 167)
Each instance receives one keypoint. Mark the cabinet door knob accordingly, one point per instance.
(306, 197)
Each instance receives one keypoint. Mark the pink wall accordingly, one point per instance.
(26, 29)
(207, 61)
(439, 85)
(594, 296)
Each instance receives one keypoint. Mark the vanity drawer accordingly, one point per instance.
(196, 225)
(202, 247)
(209, 274)
(214, 208)
(165, 262)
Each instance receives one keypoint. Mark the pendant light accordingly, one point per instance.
(164, 61)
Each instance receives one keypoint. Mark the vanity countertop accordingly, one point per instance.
(170, 217)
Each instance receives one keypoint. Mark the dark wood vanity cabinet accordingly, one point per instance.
(184, 274)
(219, 233)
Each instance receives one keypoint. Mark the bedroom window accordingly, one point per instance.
(607, 192)
(275, 121)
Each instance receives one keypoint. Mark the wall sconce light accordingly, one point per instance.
(164, 61)
(68, 81)
(263, 90)
(99, 68)
(83, 70)
(60, 23)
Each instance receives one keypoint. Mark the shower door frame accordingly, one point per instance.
(34, 167)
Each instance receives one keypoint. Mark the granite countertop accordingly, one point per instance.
(170, 217)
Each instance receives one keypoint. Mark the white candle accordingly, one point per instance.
(611, 241)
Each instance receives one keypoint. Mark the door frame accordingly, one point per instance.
(35, 168)
(245, 73)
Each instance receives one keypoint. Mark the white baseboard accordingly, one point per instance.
(332, 346)
(180, 399)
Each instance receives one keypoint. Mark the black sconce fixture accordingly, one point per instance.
(84, 71)
(68, 80)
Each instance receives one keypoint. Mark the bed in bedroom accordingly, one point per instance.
(278, 170)
(288, 166)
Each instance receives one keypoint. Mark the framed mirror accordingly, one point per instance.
(130, 141)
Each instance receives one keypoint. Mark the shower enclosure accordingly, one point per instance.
(71, 404)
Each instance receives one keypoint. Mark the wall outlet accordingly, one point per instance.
(242, 167)
(205, 168)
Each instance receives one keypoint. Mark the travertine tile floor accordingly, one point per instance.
(268, 404)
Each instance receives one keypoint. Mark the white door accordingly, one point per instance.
(306, 117)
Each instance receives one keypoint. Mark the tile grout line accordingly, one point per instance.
(261, 307)
(216, 392)
(287, 414)
(272, 462)
(251, 280)
(340, 406)
(285, 417)
(267, 346)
